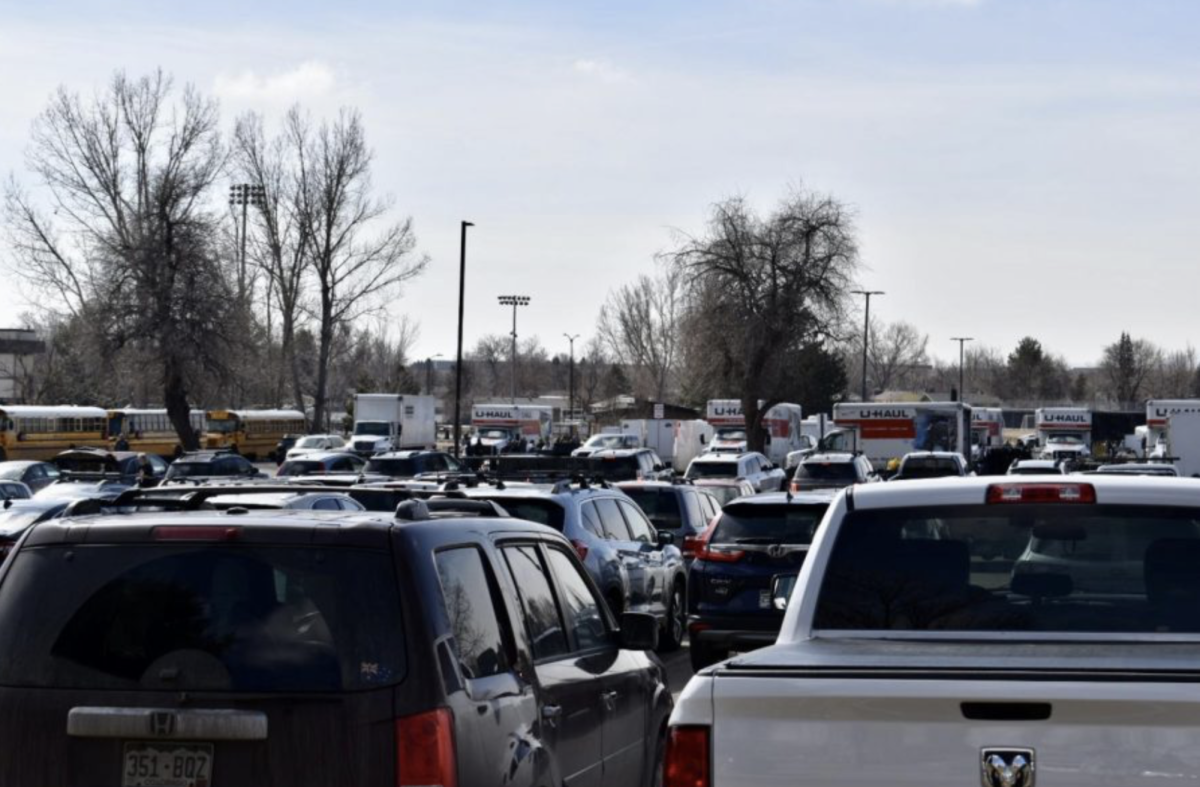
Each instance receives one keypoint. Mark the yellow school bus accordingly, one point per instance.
(41, 433)
(252, 433)
(148, 431)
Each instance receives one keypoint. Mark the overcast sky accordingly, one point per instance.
(1017, 166)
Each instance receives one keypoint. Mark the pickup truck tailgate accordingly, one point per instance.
(774, 729)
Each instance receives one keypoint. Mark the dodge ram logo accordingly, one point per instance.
(1007, 767)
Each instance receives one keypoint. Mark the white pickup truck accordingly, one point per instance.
(909, 655)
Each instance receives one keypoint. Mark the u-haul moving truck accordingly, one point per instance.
(1063, 432)
(987, 429)
(1158, 412)
(883, 432)
(783, 422)
(505, 428)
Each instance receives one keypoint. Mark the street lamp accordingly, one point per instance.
(866, 333)
(514, 301)
(245, 195)
(962, 342)
(571, 378)
(462, 290)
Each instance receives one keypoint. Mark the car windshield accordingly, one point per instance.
(300, 467)
(928, 467)
(1016, 567)
(310, 442)
(1067, 438)
(494, 434)
(661, 505)
(395, 468)
(371, 428)
(1035, 470)
(768, 524)
(201, 618)
(826, 471)
(184, 469)
(712, 470)
(731, 434)
(533, 509)
(607, 441)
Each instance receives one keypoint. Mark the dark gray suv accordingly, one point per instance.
(263, 649)
(637, 568)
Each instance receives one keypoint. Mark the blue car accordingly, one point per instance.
(756, 547)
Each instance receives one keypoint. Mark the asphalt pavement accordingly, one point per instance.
(679, 669)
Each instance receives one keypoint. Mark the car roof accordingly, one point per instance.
(1036, 463)
(814, 497)
(618, 453)
(829, 457)
(405, 454)
(717, 456)
(22, 463)
(343, 528)
(933, 455)
(972, 490)
(318, 456)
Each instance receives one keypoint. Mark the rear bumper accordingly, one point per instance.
(733, 633)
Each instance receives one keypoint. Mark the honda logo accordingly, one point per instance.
(1007, 767)
(776, 551)
(162, 724)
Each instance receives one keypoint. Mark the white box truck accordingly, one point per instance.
(784, 424)
(509, 428)
(886, 432)
(1157, 413)
(987, 430)
(1063, 432)
(392, 422)
(1182, 442)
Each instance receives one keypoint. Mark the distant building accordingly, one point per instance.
(18, 349)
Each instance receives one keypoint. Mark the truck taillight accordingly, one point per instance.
(686, 763)
(425, 755)
(1041, 493)
(692, 545)
(720, 554)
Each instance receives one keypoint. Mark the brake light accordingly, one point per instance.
(1041, 493)
(686, 763)
(425, 754)
(692, 545)
(196, 533)
(720, 554)
(581, 548)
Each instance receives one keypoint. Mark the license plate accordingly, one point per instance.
(167, 765)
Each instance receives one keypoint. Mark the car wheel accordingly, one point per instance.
(676, 622)
(659, 761)
(706, 655)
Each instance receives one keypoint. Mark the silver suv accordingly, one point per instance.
(637, 568)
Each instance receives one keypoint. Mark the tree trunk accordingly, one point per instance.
(178, 409)
(323, 353)
(757, 433)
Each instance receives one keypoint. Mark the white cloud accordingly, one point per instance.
(601, 70)
(306, 81)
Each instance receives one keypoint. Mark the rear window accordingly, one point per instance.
(712, 470)
(826, 471)
(187, 469)
(1013, 567)
(396, 468)
(540, 510)
(768, 524)
(662, 506)
(929, 468)
(261, 619)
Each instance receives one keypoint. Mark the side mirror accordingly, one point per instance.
(666, 538)
(703, 440)
(639, 631)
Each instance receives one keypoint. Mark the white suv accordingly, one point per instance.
(752, 466)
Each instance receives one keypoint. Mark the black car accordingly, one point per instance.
(129, 466)
(285, 444)
(34, 475)
(757, 545)
(413, 464)
(201, 466)
(251, 649)
(682, 509)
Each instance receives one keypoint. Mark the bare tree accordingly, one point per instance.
(1127, 366)
(356, 268)
(640, 325)
(762, 290)
(127, 175)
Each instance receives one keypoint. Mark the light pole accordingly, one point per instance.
(514, 301)
(245, 195)
(962, 342)
(571, 377)
(462, 289)
(866, 333)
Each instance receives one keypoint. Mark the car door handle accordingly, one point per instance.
(609, 698)
(551, 714)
